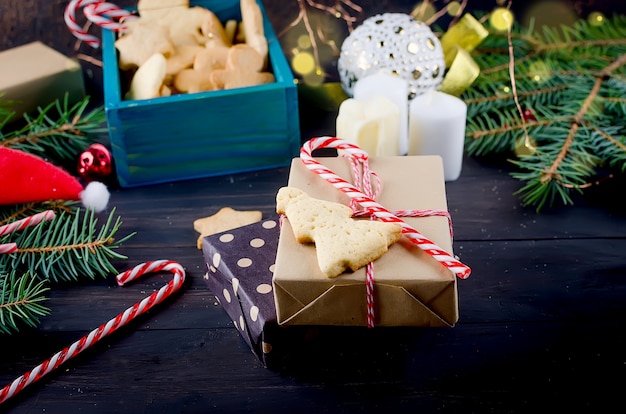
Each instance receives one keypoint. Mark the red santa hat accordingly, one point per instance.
(26, 178)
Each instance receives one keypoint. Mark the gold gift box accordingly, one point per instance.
(411, 287)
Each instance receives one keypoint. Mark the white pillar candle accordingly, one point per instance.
(395, 89)
(437, 127)
(372, 124)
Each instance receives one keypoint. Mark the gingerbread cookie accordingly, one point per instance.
(341, 242)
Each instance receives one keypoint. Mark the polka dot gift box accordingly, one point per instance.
(239, 267)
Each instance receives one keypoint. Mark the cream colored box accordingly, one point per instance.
(411, 287)
(35, 75)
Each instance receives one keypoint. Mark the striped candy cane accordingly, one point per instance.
(7, 248)
(105, 329)
(104, 14)
(26, 222)
(443, 257)
(18, 225)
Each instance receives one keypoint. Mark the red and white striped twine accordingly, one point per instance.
(363, 180)
(372, 208)
(104, 14)
(107, 328)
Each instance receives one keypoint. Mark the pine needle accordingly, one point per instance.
(572, 80)
(59, 131)
(21, 301)
(68, 248)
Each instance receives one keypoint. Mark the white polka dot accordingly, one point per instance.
(235, 285)
(227, 238)
(206, 276)
(244, 262)
(271, 269)
(257, 243)
(235, 323)
(217, 258)
(212, 269)
(242, 323)
(254, 313)
(270, 224)
(264, 288)
(226, 295)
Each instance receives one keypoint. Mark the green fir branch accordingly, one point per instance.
(58, 130)
(72, 246)
(69, 247)
(21, 301)
(6, 109)
(572, 81)
(16, 212)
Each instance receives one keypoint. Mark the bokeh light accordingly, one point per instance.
(423, 11)
(454, 8)
(501, 19)
(304, 42)
(303, 63)
(525, 146)
(539, 71)
(596, 19)
(314, 78)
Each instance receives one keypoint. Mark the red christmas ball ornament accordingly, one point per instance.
(529, 116)
(95, 163)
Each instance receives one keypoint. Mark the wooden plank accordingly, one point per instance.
(501, 367)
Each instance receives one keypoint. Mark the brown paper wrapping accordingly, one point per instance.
(35, 75)
(411, 287)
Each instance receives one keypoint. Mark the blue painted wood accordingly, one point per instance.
(204, 134)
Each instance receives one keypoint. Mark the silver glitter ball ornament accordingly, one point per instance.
(395, 43)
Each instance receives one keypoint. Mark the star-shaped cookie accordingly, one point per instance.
(225, 219)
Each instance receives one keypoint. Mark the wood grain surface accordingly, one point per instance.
(541, 318)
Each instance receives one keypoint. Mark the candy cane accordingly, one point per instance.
(99, 12)
(26, 222)
(454, 265)
(8, 248)
(105, 329)
(104, 15)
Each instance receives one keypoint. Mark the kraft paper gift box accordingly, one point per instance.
(411, 287)
(34, 75)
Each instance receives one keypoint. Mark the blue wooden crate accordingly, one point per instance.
(203, 134)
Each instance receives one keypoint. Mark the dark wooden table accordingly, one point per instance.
(542, 318)
(541, 326)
